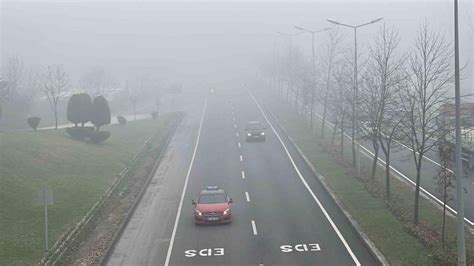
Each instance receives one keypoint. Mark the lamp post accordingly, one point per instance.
(458, 161)
(312, 32)
(355, 129)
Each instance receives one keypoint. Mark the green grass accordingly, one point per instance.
(77, 172)
(383, 228)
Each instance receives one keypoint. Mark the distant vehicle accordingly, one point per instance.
(212, 206)
(255, 131)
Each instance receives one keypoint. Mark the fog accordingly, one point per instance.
(198, 42)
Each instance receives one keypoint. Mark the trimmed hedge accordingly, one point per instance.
(122, 120)
(33, 122)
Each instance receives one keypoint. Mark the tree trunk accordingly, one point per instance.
(376, 158)
(56, 117)
(417, 192)
(324, 114)
(387, 174)
(334, 132)
(342, 137)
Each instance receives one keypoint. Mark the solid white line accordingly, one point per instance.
(404, 177)
(241, 158)
(237, 134)
(243, 175)
(247, 196)
(326, 214)
(254, 228)
(240, 146)
(178, 214)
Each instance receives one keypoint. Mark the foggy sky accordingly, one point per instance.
(205, 42)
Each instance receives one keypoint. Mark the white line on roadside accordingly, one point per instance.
(247, 196)
(241, 158)
(326, 214)
(240, 146)
(243, 174)
(382, 163)
(180, 206)
(254, 227)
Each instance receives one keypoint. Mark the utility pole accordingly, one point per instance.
(313, 74)
(458, 161)
(355, 126)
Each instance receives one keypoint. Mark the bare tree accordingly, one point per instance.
(13, 72)
(54, 82)
(96, 82)
(429, 73)
(379, 92)
(445, 181)
(332, 49)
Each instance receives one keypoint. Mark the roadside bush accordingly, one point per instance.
(154, 115)
(80, 133)
(122, 120)
(100, 112)
(97, 137)
(79, 108)
(33, 122)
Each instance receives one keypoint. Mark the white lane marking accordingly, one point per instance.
(261, 264)
(178, 214)
(241, 158)
(233, 118)
(326, 214)
(243, 174)
(254, 228)
(232, 112)
(240, 146)
(237, 134)
(235, 126)
(405, 178)
(247, 196)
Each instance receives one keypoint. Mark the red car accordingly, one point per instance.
(212, 206)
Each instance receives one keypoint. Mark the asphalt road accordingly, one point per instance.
(281, 213)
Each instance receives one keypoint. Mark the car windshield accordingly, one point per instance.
(212, 198)
(254, 127)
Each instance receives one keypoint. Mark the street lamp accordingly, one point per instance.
(461, 248)
(313, 70)
(355, 130)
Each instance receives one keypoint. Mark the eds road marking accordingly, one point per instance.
(254, 228)
(178, 214)
(241, 158)
(326, 214)
(247, 196)
(243, 175)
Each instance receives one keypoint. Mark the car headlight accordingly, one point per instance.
(263, 133)
(198, 213)
(248, 134)
(227, 211)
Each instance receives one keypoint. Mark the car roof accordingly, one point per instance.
(212, 190)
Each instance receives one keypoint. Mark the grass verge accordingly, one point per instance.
(387, 223)
(77, 172)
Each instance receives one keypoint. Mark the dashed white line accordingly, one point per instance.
(241, 158)
(243, 175)
(237, 134)
(247, 196)
(303, 180)
(235, 126)
(254, 228)
(180, 206)
(233, 118)
(240, 146)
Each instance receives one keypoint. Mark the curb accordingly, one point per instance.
(128, 216)
(61, 245)
(360, 233)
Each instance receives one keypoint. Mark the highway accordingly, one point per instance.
(281, 213)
